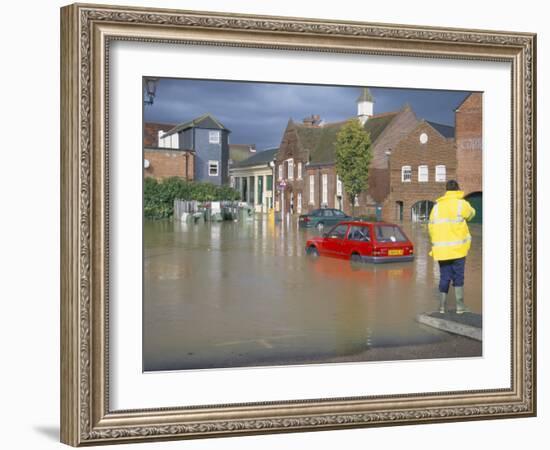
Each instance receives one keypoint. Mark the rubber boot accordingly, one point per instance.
(442, 302)
(459, 295)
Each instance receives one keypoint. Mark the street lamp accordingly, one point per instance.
(150, 86)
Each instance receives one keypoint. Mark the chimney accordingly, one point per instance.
(312, 121)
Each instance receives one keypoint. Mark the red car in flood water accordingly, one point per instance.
(375, 242)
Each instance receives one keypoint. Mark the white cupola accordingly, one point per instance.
(365, 105)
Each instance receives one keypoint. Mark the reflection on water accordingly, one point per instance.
(236, 294)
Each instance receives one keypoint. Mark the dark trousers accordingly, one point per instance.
(451, 270)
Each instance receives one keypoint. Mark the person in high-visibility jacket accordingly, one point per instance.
(451, 241)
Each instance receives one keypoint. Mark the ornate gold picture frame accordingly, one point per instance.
(87, 32)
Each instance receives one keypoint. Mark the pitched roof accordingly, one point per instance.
(446, 131)
(205, 121)
(239, 152)
(321, 141)
(263, 157)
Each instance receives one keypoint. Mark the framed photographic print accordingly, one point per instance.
(278, 224)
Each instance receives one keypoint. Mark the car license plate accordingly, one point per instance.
(395, 252)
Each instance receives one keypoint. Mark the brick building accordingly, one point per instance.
(306, 176)
(468, 126)
(419, 167)
(196, 150)
(161, 162)
(305, 163)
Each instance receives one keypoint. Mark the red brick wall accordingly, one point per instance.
(468, 135)
(169, 163)
(151, 131)
(290, 148)
(399, 127)
(411, 152)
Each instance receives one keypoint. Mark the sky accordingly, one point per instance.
(257, 113)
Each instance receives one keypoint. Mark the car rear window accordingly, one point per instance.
(359, 233)
(389, 233)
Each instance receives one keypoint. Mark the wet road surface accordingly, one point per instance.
(237, 294)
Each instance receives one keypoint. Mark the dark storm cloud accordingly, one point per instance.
(257, 113)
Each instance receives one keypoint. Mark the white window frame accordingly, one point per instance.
(290, 169)
(214, 137)
(339, 187)
(405, 169)
(281, 171)
(440, 173)
(312, 189)
(174, 140)
(299, 201)
(299, 175)
(324, 194)
(423, 174)
(212, 162)
(356, 201)
(159, 138)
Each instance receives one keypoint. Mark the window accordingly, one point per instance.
(440, 174)
(280, 172)
(357, 233)
(290, 169)
(299, 202)
(356, 201)
(325, 189)
(389, 233)
(175, 140)
(160, 140)
(213, 168)
(312, 189)
(422, 174)
(338, 186)
(406, 174)
(338, 213)
(299, 171)
(214, 137)
(338, 232)
(327, 213)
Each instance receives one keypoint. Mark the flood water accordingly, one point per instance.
(237, 294)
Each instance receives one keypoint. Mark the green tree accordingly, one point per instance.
(353, 157)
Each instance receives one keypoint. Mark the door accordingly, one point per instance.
(333, 241)
(399, 211)
(358, 240)
(476, 200)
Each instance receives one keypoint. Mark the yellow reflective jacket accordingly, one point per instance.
(448, 228)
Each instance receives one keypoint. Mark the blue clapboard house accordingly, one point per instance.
(208, 139)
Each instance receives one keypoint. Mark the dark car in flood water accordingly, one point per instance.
(376, 242)
(321, 218)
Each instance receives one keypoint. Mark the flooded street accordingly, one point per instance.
(236, 294)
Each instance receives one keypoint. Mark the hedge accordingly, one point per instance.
(159, 196)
